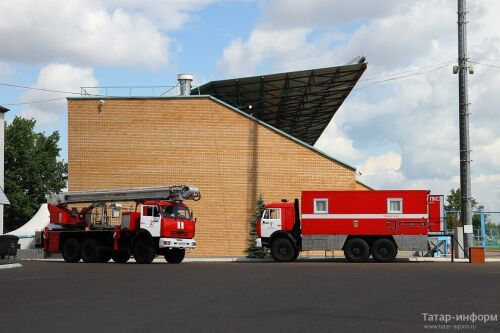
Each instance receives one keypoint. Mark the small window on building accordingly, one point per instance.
(320, 206)
(394, 206)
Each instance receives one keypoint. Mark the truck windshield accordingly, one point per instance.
(175, 212)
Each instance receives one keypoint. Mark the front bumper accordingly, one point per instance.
(178, 243)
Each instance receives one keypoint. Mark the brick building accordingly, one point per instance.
(231, 155)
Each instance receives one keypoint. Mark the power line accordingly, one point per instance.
(34, 102)
(403, 76)
(39, 89)
(487, 65)
(408, 71)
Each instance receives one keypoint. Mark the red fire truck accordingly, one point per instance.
(161, 224)
(361, 223)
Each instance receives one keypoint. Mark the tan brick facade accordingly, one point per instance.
(362, 187)
(229, 156)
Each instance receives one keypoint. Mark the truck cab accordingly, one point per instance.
(170, 222)
(280, 220)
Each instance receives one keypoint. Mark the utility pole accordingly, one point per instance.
(463, 100)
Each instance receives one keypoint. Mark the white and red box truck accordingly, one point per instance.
(361, 223)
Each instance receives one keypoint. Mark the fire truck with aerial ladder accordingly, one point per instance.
(361, 223)
(160, 225)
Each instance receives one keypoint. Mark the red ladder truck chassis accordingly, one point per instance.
(361, 223)
(160, 225)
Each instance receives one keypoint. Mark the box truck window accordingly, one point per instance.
(320, 206)
(394, 205)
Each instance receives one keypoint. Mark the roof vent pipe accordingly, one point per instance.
(185, 83)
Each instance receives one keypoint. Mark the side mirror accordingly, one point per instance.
(195, 219)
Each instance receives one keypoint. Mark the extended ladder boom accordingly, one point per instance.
(175, 192)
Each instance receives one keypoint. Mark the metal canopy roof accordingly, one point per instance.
(299, 103)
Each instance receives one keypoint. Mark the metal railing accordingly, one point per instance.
(132, 91)
(486, 227)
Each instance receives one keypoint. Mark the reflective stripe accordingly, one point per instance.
(365, 216)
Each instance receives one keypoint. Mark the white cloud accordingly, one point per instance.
(401, 133)
(171, 15)
(336, 141)
(91, 32)
(322, 13)
(5, 70)
(61, 77)
(283, 46)
(489, 154)
(382, 170)
(486, 190)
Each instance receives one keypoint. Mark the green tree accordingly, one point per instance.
(32, 170)
(453, 204)
(252, 251)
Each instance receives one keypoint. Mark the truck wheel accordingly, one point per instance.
(120, 257)
(144, 253)
(384, 250)
(283, 250)
(90, 250)
(357, 250)
(174, 256)
(71, 250)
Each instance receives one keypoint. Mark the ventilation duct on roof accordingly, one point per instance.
(185, 84)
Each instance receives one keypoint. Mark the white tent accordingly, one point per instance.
(26, 233)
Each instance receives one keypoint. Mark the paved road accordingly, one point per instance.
(243, 297)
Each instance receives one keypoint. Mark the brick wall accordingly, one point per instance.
(231, 158)
(362, 187)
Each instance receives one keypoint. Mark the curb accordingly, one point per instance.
(6, 266)
(305, 259)
(430, 259)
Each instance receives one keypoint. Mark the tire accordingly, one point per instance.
(90, 250)
(71, 250)
(174, 256)
(384, 250)
(120, 257)
(357, 250)
(283, 250)
(143, 252)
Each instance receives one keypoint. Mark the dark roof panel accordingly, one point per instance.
(299, 103)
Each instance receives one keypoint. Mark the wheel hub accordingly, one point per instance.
(283, 250)
(383, 251)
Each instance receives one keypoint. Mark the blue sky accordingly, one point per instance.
(402, 133)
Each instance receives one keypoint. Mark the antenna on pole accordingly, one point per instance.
(463, 110)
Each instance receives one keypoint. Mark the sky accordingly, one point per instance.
(400, 130)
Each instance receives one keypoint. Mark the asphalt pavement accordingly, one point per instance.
(248, 297)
